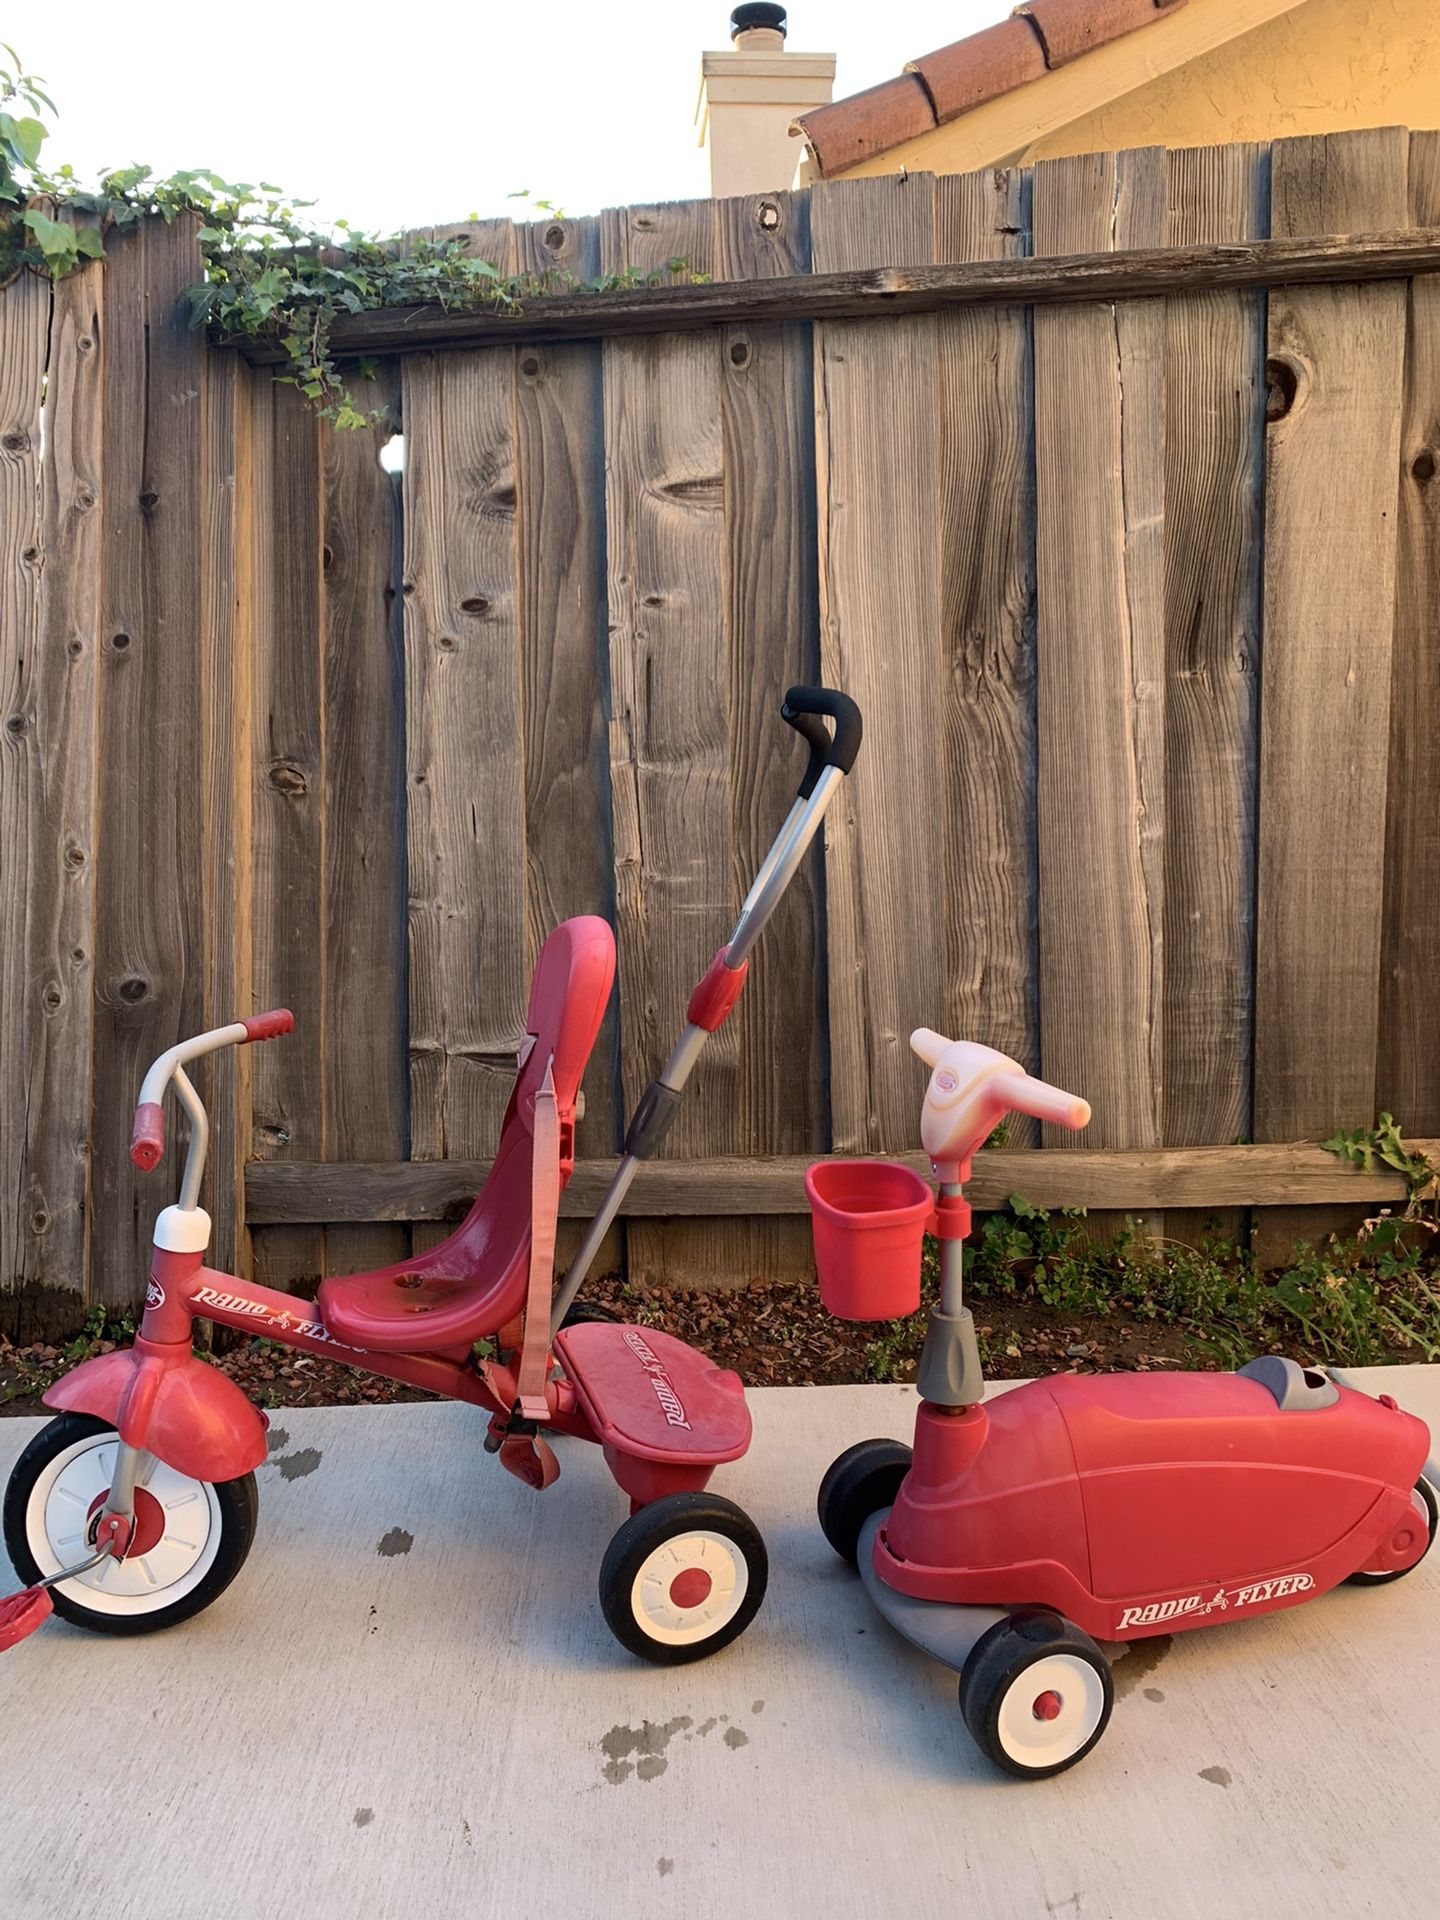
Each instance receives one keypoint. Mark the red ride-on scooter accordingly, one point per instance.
(1023, 1529)
(136, 1507)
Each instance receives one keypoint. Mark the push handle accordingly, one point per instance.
(806, 709)
(268, 1026)
(1022, 1094)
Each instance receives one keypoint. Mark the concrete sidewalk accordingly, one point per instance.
(408, 1703)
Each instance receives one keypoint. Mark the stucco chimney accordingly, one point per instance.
(749, 96)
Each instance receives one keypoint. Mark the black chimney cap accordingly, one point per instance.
(756, 13)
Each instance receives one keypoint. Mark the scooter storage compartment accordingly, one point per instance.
(869, 1219)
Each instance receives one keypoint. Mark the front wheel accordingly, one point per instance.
(863, 1480)
(191, 1536)
(683, 1578)
(1036, 1694)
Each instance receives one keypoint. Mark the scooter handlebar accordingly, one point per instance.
(1022, 1094)
(806, 709)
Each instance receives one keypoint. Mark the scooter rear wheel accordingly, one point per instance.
(683, 1578)
(1036, 1693)
(863, 1480)
(1424, 1499)
(192, 1536)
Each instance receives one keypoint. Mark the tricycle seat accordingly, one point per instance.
(474, 1283)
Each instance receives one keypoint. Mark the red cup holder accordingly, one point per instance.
(869, 1219)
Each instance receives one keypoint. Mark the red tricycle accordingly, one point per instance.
(136, 1507)
(1022, 1529)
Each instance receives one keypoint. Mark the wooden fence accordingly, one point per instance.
(277, 729)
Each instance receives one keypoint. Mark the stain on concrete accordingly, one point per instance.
(374, 1624)
(757, 1706)
(665, 1866)
(1217, 1776)
(397, 1540)
(1154, 1693)
(276, 1440)
(1139, 1662)
(295, 1466)
(647, 1742)
(736, 1737)
(707, 1726)
(465, 1829)
(363, 1816)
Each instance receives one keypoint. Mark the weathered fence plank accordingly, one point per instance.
(1100, 517)
(150, 905)
(1214, 475)
(767, 407)
(367, 1076)
(24, 329)
(1335, 369)
(468, 971)
(670, 678)
(877, 448)
(985, 486)
(1408, 1068)
(288, 959)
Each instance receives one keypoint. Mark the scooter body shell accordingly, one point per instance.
(1142, 1504)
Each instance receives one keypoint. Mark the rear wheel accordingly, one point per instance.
(191, 1536)
(683, 1578)
(1423, 1500)
(864, 1480)
(1036, 1694)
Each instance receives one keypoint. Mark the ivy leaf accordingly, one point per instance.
(56, 241)
(89, 244)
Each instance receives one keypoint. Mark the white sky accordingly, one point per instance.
(399, 114)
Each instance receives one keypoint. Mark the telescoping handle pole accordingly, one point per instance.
(832, 755)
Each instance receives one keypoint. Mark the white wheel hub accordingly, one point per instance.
(57, 1530)
(689, 1587)
(1051, 1710)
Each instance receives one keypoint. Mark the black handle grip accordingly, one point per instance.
(802, 709)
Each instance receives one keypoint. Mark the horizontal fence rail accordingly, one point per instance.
(1107, 487)
(1139, 273)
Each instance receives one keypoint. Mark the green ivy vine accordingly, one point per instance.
(269, 274)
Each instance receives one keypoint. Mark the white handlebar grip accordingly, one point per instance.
(928, 1045)
(1024, 1094)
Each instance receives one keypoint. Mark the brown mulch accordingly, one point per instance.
(772, 1335)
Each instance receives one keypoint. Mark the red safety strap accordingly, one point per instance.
(544, 1212)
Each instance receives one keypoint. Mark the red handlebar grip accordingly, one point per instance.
(268, 1026)
(147, 1137)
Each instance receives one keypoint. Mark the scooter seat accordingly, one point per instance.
(647, 1394)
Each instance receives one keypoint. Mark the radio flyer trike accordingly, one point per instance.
(136, 1507)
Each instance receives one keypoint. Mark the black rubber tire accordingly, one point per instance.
(239, 1505)
(1427, 1494)
(865, 1479)
(997, 1660)
(642, 1533)
(584, 1313)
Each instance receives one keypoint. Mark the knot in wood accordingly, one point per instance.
(740, 353)
(476, 603)
(767, 216)
(16, 441)
(555, 236)
(1423, 466)
(133, 989)
(149, 500)
(15, 724)
(288, 779)
(52, 999)
(119, 642)
(1282, 384)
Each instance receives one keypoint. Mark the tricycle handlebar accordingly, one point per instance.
(147, 1138)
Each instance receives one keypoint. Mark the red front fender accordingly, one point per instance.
(189, 1415)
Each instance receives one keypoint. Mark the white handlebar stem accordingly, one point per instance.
(152, 1090)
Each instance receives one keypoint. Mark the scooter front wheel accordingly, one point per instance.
(683, 1578)
(191, 1536)
(1036, 1693)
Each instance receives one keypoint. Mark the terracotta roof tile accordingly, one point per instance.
(848, 132)
(1040, 36)
(970, 72)
(1068, 28)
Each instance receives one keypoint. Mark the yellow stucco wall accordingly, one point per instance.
(1328, 65)
(1314, 67)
